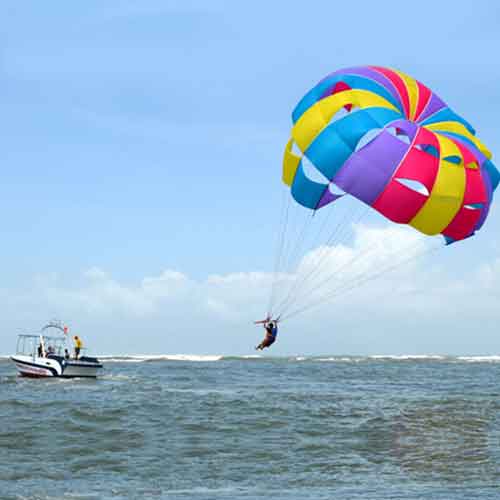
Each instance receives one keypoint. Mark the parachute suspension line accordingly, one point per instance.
(299, 241)
(343, 289)
(315, 242)
(342, 230)
(333, 277)
(346, 287)
(280, 243)
(322, 227)
(294, 285)
(314, 288)
(290, 251)
(281, 232)
(338, 233)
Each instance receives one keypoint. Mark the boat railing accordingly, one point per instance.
(39, 345)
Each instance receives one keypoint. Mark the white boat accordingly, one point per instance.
(43, 355)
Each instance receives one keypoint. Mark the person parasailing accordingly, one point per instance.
(271, 327)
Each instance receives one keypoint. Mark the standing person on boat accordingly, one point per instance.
(271, 327)
(78, 346)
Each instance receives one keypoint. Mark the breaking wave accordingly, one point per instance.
(479, 359)
(211, 358)
(141, 358)
(204, 358)
(404, 357)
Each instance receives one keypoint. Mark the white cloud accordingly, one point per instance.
(488, 276)
(419, 306)
(330, 272)
(99, 294)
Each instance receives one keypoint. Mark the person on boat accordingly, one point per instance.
(271, 328)
(40, 351)
(66, 354)
(78, 346)
(50, 350)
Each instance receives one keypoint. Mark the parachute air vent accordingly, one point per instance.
(414, 185)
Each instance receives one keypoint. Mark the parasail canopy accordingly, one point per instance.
(386, 139)
(377, 136)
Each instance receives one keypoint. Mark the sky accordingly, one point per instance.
(141, 154)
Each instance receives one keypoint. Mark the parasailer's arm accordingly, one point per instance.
(262, 321)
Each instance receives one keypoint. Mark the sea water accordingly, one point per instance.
(211, 427)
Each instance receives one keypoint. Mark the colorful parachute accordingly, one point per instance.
(389, 141)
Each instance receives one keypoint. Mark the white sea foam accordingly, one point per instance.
(192, 357)
(203, 358)
(116, 377)
(140, 358)
(480, 359)
(341, 359)
(403, 357)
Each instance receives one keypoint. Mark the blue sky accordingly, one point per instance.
(146, 137)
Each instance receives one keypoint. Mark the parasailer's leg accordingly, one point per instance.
(267, 342)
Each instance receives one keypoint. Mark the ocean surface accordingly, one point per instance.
(212, 427)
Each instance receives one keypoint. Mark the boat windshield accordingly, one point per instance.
(32, 345)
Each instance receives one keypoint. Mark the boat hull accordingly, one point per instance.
(28, 366)
(77, 369)
(27, 369)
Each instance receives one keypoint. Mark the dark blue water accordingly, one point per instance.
(231, 428)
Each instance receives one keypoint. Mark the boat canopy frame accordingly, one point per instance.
(27, 344)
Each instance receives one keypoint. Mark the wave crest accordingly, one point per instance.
(141, 358)
(211, 358)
